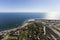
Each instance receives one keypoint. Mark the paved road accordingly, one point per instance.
(52, 31)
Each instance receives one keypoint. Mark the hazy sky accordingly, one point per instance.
(29, 5)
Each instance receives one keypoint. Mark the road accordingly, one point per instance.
(52, 31)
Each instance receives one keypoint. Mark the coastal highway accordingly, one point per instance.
(52, 32)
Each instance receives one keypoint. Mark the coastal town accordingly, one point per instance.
(34, 29)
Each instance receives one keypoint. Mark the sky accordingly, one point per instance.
(29, 5)
(51, 7)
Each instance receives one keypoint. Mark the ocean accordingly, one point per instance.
(12, 20)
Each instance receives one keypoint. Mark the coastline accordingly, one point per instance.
(23, 25)
(19, 27)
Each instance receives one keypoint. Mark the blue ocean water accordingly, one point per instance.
(12, 20)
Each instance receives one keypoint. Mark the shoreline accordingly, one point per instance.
(13, 29)
(19, 27)
(23, 24)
